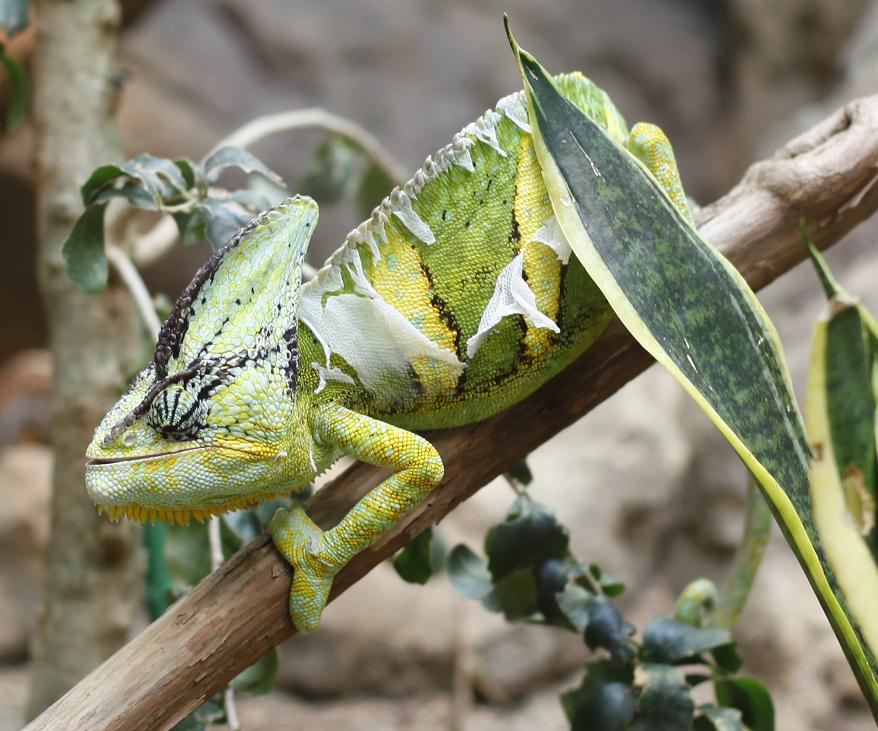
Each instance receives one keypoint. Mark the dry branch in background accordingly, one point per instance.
(240, 611)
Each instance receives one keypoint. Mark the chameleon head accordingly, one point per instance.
(212, 423)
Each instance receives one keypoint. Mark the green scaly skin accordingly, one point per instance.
(456, 299)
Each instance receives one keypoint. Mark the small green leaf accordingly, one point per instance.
(611, 586)
(665, 704)
(515, 595)
(608, 629)
(374, 185)
(192, 226)
(413, 563)
(331, 173)
(208, 713)
(520, 473)
(14, 16)
(751, 698)
(224, 220)
(712, 718)
(468, 573)
(150, 179)
(85, 258)
(667, 641)
(238, 157)
(192, 172)
(727, 658)
(529, 536)
(605, 701)
(552, 577)
(260, 677)
(19, 91)
(574, 601)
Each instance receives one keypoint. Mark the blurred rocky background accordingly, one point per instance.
(650, 490)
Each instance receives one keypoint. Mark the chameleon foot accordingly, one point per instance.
(299, 541)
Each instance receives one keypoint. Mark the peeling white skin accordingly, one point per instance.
(375, 339)
(551, 235)
(513, 106)
(330, 374)
(512, 296)
(401, 205)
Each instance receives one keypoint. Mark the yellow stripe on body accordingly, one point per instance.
(541, 265)
(401, 280)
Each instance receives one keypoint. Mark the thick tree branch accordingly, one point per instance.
(240, 611)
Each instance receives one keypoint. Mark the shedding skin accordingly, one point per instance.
(455, 300)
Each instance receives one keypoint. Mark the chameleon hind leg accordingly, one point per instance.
(317, 556)
(649, 144)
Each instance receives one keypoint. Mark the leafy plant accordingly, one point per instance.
(530, 575)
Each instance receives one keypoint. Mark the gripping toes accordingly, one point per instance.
(300, 542)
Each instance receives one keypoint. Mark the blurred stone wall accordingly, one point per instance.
(650, 490)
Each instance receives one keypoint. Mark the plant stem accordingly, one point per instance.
(757, 530)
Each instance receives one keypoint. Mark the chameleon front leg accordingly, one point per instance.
(649, 144)
(317, 556)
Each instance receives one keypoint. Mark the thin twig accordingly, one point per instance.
(156, 242)
(131, 279)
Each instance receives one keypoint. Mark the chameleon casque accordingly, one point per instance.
(455, 300)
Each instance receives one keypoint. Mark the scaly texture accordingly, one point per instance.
(455, 300)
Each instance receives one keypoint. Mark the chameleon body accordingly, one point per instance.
(455, 300)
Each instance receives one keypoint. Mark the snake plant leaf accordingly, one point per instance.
(694, 313)
(841, 426)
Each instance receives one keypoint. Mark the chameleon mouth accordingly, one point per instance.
(183, 516)
(98, 461)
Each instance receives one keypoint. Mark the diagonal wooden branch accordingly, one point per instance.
(240, 611)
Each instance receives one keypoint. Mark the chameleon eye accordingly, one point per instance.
(176, 413)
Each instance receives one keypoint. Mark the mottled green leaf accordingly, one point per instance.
(226, 157)
(19, 91)
(665, 704)
(260, 677)
(529, 536)
(751, 698)
(668, 641)
(841, 424)
(693, 312)
(468, 573)
(85, 258)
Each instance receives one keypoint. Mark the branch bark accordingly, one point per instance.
(94, 575)
(240, 611)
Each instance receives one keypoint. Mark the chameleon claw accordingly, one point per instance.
(299, 541)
